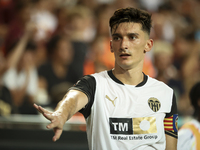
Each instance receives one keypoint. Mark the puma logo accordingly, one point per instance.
(111, 100)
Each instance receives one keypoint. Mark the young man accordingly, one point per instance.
(189, 134)
(123, 107)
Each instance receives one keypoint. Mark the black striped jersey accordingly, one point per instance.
(126, 117)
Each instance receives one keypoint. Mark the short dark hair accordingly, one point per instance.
(131, 15)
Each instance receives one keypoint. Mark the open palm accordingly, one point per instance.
(57, 121)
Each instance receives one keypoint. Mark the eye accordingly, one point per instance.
(132, 37)
(116, 38)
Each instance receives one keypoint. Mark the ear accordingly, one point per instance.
(111, 46)
(148, 45)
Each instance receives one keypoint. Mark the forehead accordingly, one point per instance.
(127, 27)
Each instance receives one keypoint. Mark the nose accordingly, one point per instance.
(124, 44)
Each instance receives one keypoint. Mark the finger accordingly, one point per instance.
(52, 125)
(49, 116)
(43, 110)
(37, 107)
(57, 135)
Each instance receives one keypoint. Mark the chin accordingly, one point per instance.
(125, 67)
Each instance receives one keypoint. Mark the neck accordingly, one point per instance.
(131, 77)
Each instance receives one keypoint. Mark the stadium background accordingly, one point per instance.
(47, 45)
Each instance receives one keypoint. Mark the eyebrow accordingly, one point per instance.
(129, 34)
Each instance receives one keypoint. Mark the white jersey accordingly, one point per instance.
(189, 136)
(126, 117)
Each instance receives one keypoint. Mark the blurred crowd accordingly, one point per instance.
(47, 45)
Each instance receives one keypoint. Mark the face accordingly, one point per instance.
(129, 44)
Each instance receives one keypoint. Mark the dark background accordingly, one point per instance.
(27, 139)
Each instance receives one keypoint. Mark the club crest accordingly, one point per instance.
(176, 122)
(154, 104)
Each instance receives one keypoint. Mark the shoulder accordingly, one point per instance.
(86, 79)
(101, 74)
(98, 77)
(158, 84)
(92, 79)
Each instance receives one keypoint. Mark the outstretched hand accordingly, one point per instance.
(57, 121)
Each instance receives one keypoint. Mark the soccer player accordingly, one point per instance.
(124, 108)
(189, 134)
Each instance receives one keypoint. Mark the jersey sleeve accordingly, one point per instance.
(87, 85)
(171, 120)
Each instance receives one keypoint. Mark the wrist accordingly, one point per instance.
(62, 114)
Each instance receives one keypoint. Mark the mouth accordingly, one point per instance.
(124, 55)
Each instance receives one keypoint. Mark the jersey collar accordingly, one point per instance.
(110, 73)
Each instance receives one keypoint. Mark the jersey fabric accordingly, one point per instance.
(127, 117)
(189, 136)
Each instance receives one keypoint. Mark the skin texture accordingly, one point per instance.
(71, 103)
(171, 142)
(129, 44)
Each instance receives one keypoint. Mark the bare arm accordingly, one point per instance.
(171, 142)
(72, 102)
